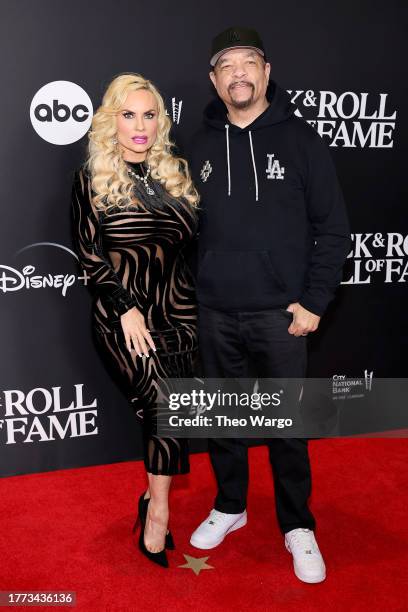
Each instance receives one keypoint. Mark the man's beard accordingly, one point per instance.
(240, 104)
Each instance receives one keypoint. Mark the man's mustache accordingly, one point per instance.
(232, 85)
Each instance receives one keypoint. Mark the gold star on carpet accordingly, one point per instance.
(196, 564)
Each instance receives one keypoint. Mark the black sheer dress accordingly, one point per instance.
(135, 257)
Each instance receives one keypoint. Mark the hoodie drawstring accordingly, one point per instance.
(254, 165)
(229, 163)
(228, 158)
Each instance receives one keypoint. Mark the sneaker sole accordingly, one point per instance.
(240, 523)
(308, 579)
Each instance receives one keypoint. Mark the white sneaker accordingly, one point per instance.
(307, 559)
(216, 526)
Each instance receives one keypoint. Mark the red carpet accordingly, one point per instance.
(70, 530)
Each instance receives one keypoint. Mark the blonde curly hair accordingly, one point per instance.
(109, 173)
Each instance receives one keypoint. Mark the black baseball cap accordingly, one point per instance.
(235, 37)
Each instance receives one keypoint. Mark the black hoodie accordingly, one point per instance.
(273, 225)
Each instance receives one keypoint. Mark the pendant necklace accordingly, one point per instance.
(143, 178)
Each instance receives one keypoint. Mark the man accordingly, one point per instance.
(274, 236)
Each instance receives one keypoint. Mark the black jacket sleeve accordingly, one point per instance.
(87, 244)
(330, 228)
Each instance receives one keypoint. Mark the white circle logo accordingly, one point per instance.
(61, 112)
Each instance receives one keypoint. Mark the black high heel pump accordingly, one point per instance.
(141, 517)
(159, 557)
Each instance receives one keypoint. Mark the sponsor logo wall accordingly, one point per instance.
(59, 408)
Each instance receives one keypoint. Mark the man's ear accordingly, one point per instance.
(212, 77)
(267, 70)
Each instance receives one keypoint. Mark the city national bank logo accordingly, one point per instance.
(351, 388)
(349, 119)
(377, 256)
(14, 279)
(43, 415)
(368, 377)
(61, 112)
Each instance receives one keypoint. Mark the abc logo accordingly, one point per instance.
(61, 112)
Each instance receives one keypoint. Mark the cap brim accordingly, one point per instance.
(217, 56)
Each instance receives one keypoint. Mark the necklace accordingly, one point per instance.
(143, 178)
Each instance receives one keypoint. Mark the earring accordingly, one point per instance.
(114, 141)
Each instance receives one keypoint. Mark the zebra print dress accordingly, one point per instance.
(136, 257)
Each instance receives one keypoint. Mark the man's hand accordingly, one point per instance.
(303, 322)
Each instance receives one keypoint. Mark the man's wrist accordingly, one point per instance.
(312, 307)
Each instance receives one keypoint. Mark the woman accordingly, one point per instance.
(134, 209)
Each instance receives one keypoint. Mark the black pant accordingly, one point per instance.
(239, 345)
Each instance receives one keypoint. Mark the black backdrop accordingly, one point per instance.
(343, 61)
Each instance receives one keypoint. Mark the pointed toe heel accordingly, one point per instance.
(158, 557)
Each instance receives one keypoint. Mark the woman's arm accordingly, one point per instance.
(87, 244)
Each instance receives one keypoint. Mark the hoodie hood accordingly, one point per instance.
(280, 109)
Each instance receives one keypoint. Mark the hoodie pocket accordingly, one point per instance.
(239, 280)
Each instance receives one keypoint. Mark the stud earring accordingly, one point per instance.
(114, 141)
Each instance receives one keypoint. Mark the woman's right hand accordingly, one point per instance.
(136, 332)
